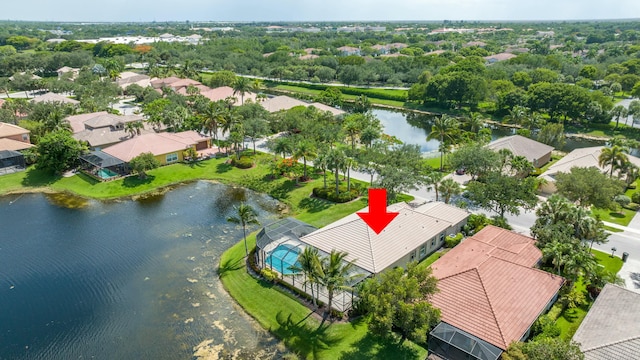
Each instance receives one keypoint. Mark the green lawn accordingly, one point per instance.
(313, 92)
(431, 259)
(622, 217)
(292, 322)
(570, 319)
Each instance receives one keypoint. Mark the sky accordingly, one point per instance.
(316, 10)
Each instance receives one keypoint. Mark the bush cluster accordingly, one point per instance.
(372, 93)
(330, 194)
(243, 163)
(452, 241)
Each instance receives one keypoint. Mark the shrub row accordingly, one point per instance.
(452, 241)
(330, 194)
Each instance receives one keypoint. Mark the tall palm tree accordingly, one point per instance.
(521, 166)
(554, 210)
(517, 115)
(334, 275)
(443, 129)
(475, 122)
(449, 188)
(336, 159)
(212, 116)
(322, 162)
(614, 157)
(433, 178)
(304, 150)
(245, 215)
(309, 264)
(56, 121)
(241, 86)
(133, 127)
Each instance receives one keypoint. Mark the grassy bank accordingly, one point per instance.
(289, 320)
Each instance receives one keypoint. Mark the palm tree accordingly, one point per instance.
(443, 130)
(521, 166)
(554, 210)
(334, 275)
(212, 116)
(336, 159)
(433, 179)
(614, 157)
(533, 122)
(322, 162)
(56, 121)
(449, 188)
(517, 115)
(305, 150)
(245, 215)
(475, 122)
(309, 264)
(241, 86)
(617, 113)
(134, 127)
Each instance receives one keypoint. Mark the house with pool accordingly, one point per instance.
(412, 236)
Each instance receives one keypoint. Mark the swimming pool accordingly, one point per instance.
(282, 257)
(106, 174)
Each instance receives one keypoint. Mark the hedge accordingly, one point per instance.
(330, 194)
(243, 163)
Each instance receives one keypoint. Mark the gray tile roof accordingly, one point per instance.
(522, 146)
(375, 252)
(611, 329)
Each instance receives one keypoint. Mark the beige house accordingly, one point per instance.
(536, 152)
(283, 102)
(584, 158)
(14, 137)
(68, 70)
(414, 234)
(101, 129)
(610, 330)
(127, 78)
(167, 148)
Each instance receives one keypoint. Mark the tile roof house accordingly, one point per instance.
(585, 157)
(128, 78)
(536, 152)
(172, 82)
(348, 50)
(53, 97)
(66, 69)
(166, 147)
(490, 293)
(284, 102)
(499, 57)
(412, 235)
(610, 330)
(101, 129)
(16, 134)
(223, 92)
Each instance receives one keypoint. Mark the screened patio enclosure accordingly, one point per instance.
(103, 165)
(277, 247)
(451, 343)
(11, 161)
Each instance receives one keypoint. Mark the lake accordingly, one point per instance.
(124, 279)
(416, 131)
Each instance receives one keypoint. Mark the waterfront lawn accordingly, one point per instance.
(288, 319)
(347, 97)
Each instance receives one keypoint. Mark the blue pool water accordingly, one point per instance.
(106, 173)
(282, 257)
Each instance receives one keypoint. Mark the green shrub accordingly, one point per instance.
(244, 162)
(636, 197)
(545, 327)
(452, 241)
(330, 194)
(269, 274)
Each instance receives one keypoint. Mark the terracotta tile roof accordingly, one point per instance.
(157, 83)
(376, 252)
(223, 92)
(488, 287)
(157, 144)
(15, 145)
(610, 330)
(7, 130)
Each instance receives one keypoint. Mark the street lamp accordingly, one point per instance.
(613, 250)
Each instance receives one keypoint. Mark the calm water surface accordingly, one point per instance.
(123, 280)
(416, 130)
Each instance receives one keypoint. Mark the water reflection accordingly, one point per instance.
(67, 200)
(125, 279)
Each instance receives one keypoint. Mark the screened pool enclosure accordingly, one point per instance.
(277, 247)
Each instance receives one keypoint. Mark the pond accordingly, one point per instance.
(124, 279)
(416, 129)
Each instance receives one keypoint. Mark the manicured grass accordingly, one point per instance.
(612, 229)
(569, 320)
(431, 259)
(622, 217)
(292, 322)
(313, 92)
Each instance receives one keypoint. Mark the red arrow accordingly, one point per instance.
(377, 218)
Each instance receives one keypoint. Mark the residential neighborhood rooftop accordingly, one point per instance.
(522, 146)
(7, 130)
(53, 97)
(489, 289)
(610, 330)
(155, 143)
